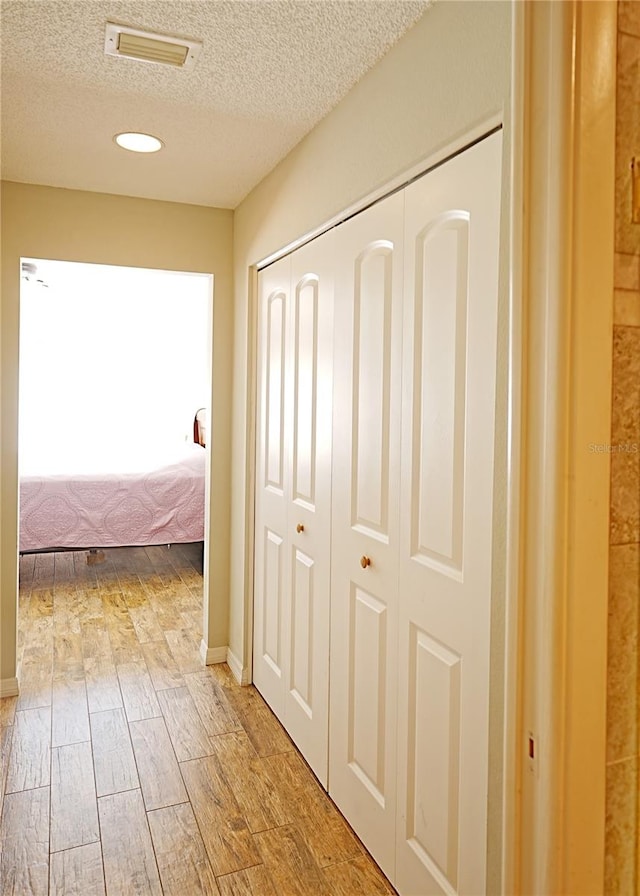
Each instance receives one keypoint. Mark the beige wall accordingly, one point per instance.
(624, 553)
(44, 222)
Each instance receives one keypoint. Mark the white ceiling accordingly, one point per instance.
(269, 70)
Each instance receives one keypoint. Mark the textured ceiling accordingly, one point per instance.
(269, 70)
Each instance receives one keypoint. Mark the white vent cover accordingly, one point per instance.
(145, 46)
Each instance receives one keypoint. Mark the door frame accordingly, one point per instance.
(564, 98)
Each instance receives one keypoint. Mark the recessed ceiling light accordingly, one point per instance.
(138, 142)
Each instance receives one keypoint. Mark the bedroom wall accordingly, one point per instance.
(72, 225)
(449, 75)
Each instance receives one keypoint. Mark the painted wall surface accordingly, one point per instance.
(447, 78)
(623, 749)
(45, 222)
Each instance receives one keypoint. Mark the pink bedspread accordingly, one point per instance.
(125, 498)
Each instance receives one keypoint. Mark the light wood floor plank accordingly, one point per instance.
(39, 613)
(89, 605)
(125, 646)
(35, 672)
(223, 675)
(103, 689)
(248, 777)
(265, 732)
(161, 600)
(193, 621)
(6, 736)
(66, 615)
(180, 853)
(74, 812)
(30, 761)
(168, 611)
(77, 872)
(24, 843)
(250, 882)
(326, 833)
(67, 654)
(190, 603)
(27, 564)
(7, 710)
(145, 621)
(138, 693)
(359, 877)
(162, 667)
(158, 556)
(213, 707)
(44, 570)
(187, 733)
(158, 769)
(70, 712)
(129, 861)
(291, 774)
(224, 830)
(290, 863)
(84, 576)
(114, 765)
(185, 649)
(95, 638)
(133, 591)
(64, 569)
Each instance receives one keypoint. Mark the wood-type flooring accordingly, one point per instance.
(126, 767)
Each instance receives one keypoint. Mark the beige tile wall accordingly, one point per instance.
(623, 705)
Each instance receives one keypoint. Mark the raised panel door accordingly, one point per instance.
(309, 501)
(272, 568)
(365, 535)
(452, 222)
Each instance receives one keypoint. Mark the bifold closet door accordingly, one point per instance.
(293, 495)
(366, 477)
(272, 580)
(452, 227)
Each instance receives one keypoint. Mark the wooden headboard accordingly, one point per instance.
(200, 427)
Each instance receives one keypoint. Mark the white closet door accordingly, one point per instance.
(451, 285)
(293, 495)
(309, 515)
(366, 473)
(272, 568)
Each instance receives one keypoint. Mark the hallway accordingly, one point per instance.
(127, 767)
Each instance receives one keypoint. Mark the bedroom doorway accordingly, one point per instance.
(115, 363)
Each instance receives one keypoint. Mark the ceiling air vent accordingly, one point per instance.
(149, 47)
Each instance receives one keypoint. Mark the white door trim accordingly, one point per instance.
(566, 102)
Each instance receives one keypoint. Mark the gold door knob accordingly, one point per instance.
(299, 528)
(364, 562)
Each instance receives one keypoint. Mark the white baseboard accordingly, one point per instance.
(9, 687)
(240, 673)
(212, 655)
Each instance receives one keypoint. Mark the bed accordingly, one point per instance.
(124, 496)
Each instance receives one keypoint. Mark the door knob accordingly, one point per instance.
(364, 562)
(299, 528)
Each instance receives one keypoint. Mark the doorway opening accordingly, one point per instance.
(114, 365)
